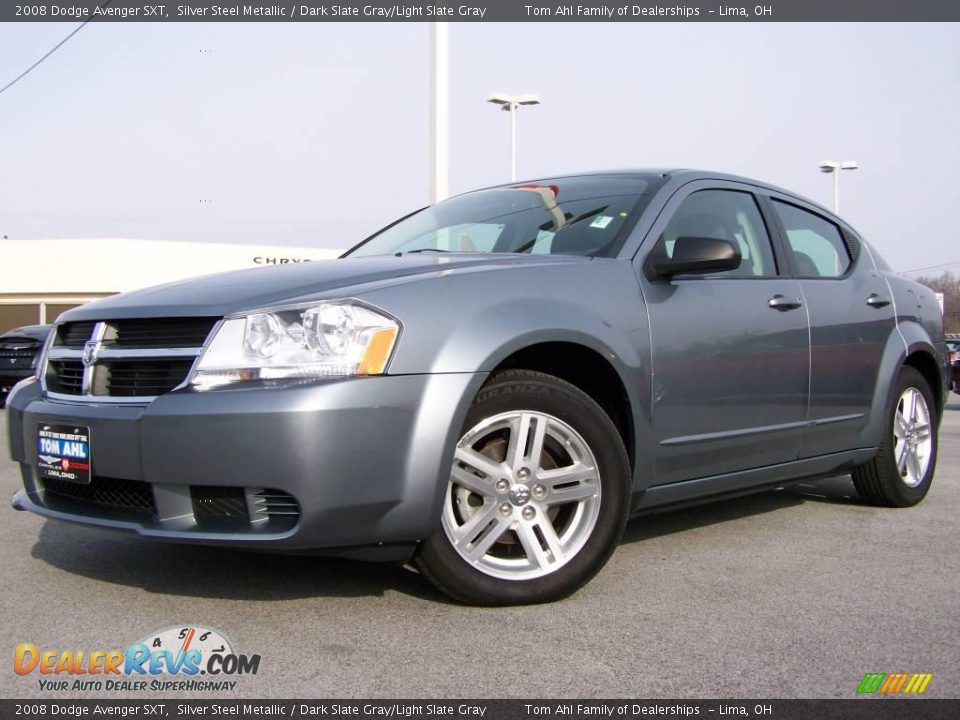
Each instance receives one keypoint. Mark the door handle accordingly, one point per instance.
(877, 301)
(779, 302)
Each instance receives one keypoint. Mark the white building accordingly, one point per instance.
(40, 279)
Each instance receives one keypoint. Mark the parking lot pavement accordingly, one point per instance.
(794, 593)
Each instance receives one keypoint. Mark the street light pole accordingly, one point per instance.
(439, 105)
(834, 166)
(510, 104)
(513, 141)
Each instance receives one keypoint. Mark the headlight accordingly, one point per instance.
(325, 339)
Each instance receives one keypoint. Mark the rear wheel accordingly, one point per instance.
(537, 497)
(901, 472)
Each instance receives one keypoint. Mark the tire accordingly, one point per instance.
(516, 530)
(899, 476)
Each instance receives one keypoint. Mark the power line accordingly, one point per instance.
(934, 267)
(50, 52)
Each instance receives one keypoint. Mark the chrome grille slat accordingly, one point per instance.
(74, 334)
(135, 360)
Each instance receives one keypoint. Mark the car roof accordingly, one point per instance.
(680, 174)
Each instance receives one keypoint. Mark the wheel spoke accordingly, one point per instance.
(465, 533)
(569, 484)
(472, 458)
(520, 430)
(911, 413)
(486, 541)
(900, 426)
(516, 443)
(901, 456)
(535, 456)
(552, 539)
(913, 465)
(922, 430)
(467, 480)
(539, 557)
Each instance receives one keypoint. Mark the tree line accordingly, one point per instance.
(948, 284)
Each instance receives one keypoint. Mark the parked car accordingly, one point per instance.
(493, 385)
(19, 352)
(953, 348)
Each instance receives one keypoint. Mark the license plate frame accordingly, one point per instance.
(64, 453)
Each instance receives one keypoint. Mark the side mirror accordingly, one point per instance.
(696, 256)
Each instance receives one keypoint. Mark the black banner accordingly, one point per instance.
(862, 709)
(502, 11)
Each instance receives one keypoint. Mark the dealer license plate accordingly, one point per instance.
(63, 453)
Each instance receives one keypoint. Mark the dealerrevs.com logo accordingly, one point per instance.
(185, 658)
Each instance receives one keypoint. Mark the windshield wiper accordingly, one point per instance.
(420, 250)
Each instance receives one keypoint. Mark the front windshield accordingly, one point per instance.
(563, 216)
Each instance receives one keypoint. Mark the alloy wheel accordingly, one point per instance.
(523, 496)
(912, 433)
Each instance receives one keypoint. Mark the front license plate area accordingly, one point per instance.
(63, 453)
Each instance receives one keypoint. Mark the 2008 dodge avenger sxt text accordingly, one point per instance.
(493, 385)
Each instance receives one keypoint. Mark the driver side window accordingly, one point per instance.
(724, 215)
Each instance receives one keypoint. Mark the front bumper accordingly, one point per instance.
(366, 460)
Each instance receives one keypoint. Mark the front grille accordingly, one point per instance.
(219, 502)
(158, 333)
(16, 359)
(100, 494)
(65, 376)
(216, 508)
(135, 358)
(136, 378)
(74, 334)
(277, 504)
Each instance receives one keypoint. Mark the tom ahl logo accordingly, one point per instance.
(177, 652)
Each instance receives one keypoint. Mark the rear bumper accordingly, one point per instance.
(366, 460)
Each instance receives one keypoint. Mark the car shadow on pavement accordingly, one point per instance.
(226, 573)
(218, 573)
(837, 490)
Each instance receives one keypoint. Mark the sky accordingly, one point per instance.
(317, 134)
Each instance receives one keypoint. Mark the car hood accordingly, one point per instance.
(232, 292)
(37, 333)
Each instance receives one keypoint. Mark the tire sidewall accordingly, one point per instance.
(557, 398)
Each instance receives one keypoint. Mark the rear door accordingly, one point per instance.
(729, 351)
(851, 318)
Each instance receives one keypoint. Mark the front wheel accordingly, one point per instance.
(537, 497)
(901, 472)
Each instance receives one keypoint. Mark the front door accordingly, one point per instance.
(730, 351)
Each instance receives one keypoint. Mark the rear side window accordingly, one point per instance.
(817, 245)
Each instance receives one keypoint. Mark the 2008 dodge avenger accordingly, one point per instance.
(493, 385)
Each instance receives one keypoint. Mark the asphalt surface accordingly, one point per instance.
(793, 593)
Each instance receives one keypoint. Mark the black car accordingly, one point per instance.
(19, 350)
(953, 350)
